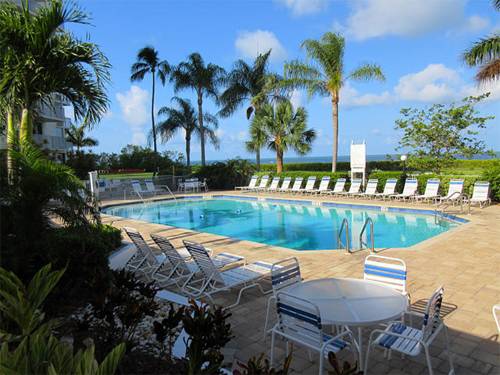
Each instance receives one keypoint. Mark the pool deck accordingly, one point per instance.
(465, 260)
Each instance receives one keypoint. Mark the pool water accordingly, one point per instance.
(294, 226)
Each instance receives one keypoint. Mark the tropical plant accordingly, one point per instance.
(492, 174)
(226, 175)
(28, 345)
(185, 117)
(345, 369)
(284, 128)
(325, 75)
(165, 330)
(486, 54)
(435, 136)
(40, 58)
(205, 80)
(148, 62)
(261, 366)
(76, 136)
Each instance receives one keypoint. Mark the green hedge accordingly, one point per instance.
(385, 165)
(493, 176)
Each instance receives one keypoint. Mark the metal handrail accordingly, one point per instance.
(461, 199)
(372, 239)
(345, 224)
(170, 191)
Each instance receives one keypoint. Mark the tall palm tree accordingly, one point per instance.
(76, 136)
(284, 128)
(486, 54)
(185, 117)
(325, 75)
(257, 140)
(39, 58)
(204, 79)
(250, 84)
(148, 62)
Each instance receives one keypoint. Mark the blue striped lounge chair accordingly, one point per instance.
(299, 321)
(311, 181)
(480, 194)
(297, 184)
(431, 191)
(409, 190)
(370, 190)
(214, 281)
(455, 189)
(274, 185)
(389, 189)
(251, 184)
(353, 189)
(413, 341)
(263, 183)
(323, 186)
(283, 274)
(338, 188)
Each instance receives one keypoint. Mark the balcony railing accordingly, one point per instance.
(51, 142)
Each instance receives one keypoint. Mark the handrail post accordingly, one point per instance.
(345, 224)
(372, 238)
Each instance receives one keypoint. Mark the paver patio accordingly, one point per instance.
(465, 260)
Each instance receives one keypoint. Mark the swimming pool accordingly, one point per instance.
(294, 225)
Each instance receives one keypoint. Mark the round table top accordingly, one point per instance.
(351, 302)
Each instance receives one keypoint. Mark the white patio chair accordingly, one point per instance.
(323, 186)
(386, 271)
(338, 188)
(153, 189)
(410, 341)
(274, 185)
(297, 184)
(480, 194)
(283, 274)
(285, 185)
(263, 183)
(144, 260)
(496, 312)
(180, 266)
(431, 191)
(311, 181)
(138, 190)
(299, 321)
(251, 184)
(455, 189)
(389, 189)
(215, 281)
(353, 189)
(409, 190)
(370, 190)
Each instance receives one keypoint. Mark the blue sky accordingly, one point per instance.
(417, 42)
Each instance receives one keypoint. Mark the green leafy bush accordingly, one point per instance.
(81, 163)
(225, 175)
(383, 176)
(492, 175)
(343, 166)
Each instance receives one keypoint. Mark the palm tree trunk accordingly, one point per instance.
(279, 161)
(335, 123)
(200, 123)
(153, 127)
(257, 159)
(25, 130)
(11, 140)
(188, 149)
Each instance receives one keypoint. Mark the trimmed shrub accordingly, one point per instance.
(492, 175)
(386, 165)
(226, 175)
(383, 176)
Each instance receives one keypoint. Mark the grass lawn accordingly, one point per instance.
(117, 176)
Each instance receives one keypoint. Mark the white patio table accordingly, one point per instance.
(352, 302)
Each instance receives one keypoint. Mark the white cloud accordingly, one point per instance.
(475, 23)
(302, 7)
(296, 98)
(133, 104)
(375, 18)
(493, 87)
(434, 83)
(350, 97)
(252, 43)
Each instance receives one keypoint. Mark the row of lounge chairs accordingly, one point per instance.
(480, 194)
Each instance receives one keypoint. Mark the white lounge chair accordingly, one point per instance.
(323, 186)
(285, 185)
(338, 188)
(263, 183)
(480, 194)
(311, 181)
(370, 190)
(215, 281)
(274, 185)
(154, 189)
(251, 184)
(409, 190)
(138, 190)
(180, 267)
(144, 261)
(353, 189)
(389, 189)
(299, 321)
(387, 271)
(297, 184)
(455, 189)
(412, 341)
(283, 274)
(431, 191)
(496, 312)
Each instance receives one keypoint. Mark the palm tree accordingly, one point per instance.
(39, 58)
(326, 76)
(250, 84)
(76, 136)
(486, 54)
(284, 129)
(148, 62)
(185, 117)
(204, 79)
(257, 140)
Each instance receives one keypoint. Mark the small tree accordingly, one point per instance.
(437, 135)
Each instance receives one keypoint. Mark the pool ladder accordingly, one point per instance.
(344, 229)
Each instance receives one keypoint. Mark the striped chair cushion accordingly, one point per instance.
(400, 344)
